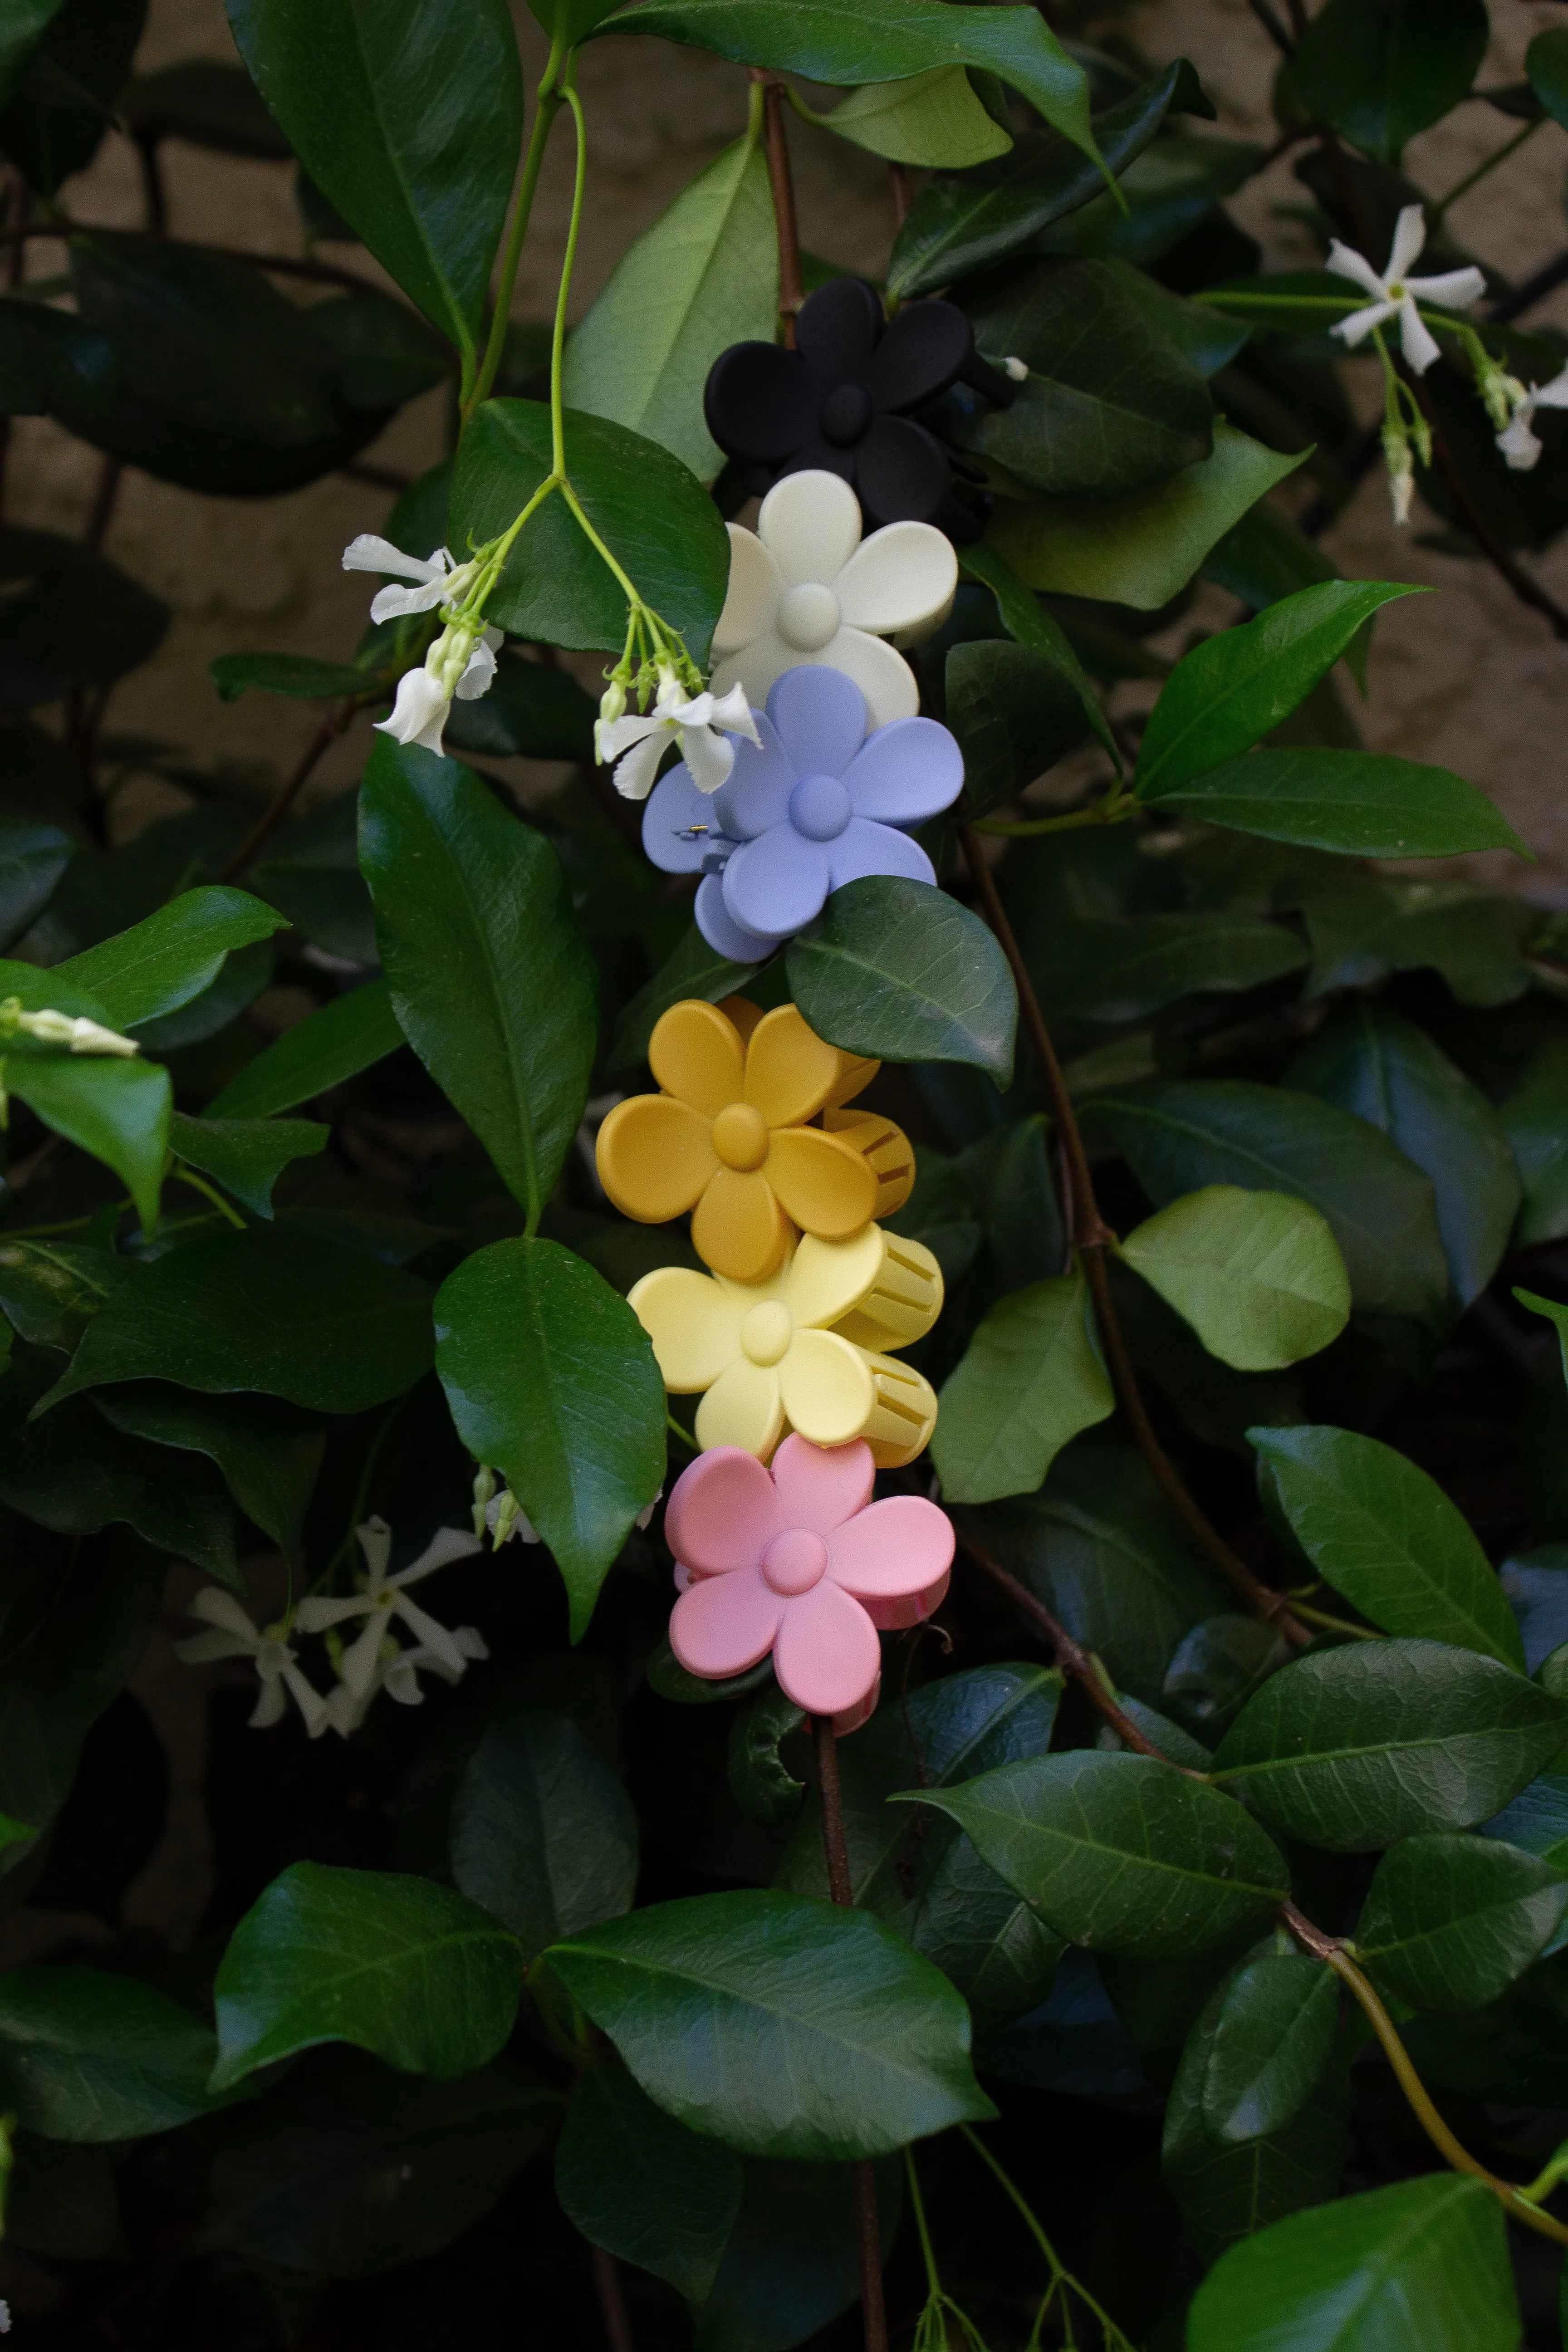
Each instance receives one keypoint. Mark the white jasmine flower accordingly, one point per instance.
(804, 588)
(1018, 370)
(235, 1636)
(385, 1597)
(424, 695)
(51, 1028)
(397, 1673)
(1396, 293)
(439, 579)
(700, 724)
(1401, 465)
(1520, 446)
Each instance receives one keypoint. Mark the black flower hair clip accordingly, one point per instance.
(839, 402)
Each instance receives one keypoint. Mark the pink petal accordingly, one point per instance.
(854, 1716)
(820, 1486)
(825, 1652)
(722, 1625)
(894, 1555)
(721, 1512)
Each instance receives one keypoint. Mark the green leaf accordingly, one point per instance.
(1227, 2190)
(60, 106)
(901, 972)
(1120, 1852)
(1270, 2045)
(1381, 1532)
(703, 276)
(778, 2025)
(410, 1971)
(793, 2260)
(490, 982)
(26, 21)
(50, 1289)
(1535, 1121)
(1555, 1313)
(298, 675)
(245, 1155)
(652, 513)
(551, 1377)
(1027, 621)
(330, 1045)
(933, 121)
(88, 2056)
(32, 859)
(71, 619)
(1546, 64)
(1166, 193)
(1180, 1134)
(543, 1835)
(759, 1781)
(311, 874)
(1258, 1275)
(1109, 404)
(1424, 2262)
(323, 1325)
(1352, 1749)
(862, 41)
(409, 125)
(644, 2188)
(1361, 803)
(172, 956)
(1140, 548)
(957, 226)
(1371, 1060)
(269, 1458)
(1032, 1378)
(692, 969)
(529, 712)
(1235, 687)
(1378, 71)
(1450, 1922)
(117, 1109)
(1124, 967)
(1014, 714)
(569, 22)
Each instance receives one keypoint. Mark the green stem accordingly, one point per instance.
(66, 1225)
(1114, 811)
(1333, 1624)
(934, 2278)
(1498, 155)
(547, 107)
(1061, 2276)
(684, 1434)
(569, 262)
(199, 1185)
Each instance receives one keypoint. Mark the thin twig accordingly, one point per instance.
(836, 1854)
(612, 2303)
(102, 510)
(283, 799)
(900, 179)
(792, 286)
(1092, 1236)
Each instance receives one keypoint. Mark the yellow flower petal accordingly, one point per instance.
(790, 1073)
(743, 1407)
(828, 1389)
(694, 1324)
(886, 1149)
(739, 1228)
(654, 1155)
(828, 1279)
(696, 1054)
(822, 1183)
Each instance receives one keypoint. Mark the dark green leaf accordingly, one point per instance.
(212, 105)
(88, 2055)
(410, 1971)
(1384, 1534)
(26, 21)
(1535, 1121)
(310, 873)
(1352, 1749)
(1271, 2045)
(897, 971)
(245, 1155)
(32, 859)
(543, 1835)
(117, 1109)
(49, 1289)
(325, 1326)
(529, 712)
(551, 1377)
(1450, 1922)
(1424, 2262)
(759, 1781)
(172, 956)
(1556, 1313)
(61, 103)
(778, 2025)
(290, 674)
(654, 516)
(1027, 621)
(410, 127)
(1166, 192)
(268, 1456)
(1125, 967)
(71, 620)
(644, 2188)
(1361, 803)
(333, 1044)
(1378, 71)
(693, 970)
(1120, 1852)
(793, 2261)
(1015, 714)
(1032, 1378)
(1546, 63)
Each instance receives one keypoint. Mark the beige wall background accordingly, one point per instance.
(1466, 678)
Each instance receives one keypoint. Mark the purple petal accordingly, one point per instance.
(925, 349)
(865, 848)
(820, 716)
(905, 772)
(837, 330)
(756, 792)
(719, 928)
(675, 809)
(775, 885)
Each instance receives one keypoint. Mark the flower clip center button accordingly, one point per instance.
(808, 616)
(795, 1560)
(766, 1333)
(740, 1137)
(847, 414)
(820, 807)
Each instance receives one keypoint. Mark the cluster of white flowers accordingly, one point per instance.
(374, 1661)
(700, 723)
(461, 661)
(78, 1034)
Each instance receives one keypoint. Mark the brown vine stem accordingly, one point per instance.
(781, 179)
(1077, 1662)
(612, 2303)
(835, 1852)
(1092, 1238)
(283, 799)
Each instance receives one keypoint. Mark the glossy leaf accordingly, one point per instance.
(88, 2056)
(1141, 548)
(932, 120)
(26, 25)
(1124, 967)
(778, 2025)
(1258, 1275)
(32, 859)
(1166, 193)
(270, 1456)
(551, 1377)
(414, 1973)
(1378, 71)
(1227, 2190)
(1450, 1922)
(642, 2186)
(529, 713)
(1014, 714)
(1180, 1134)
(543, 1835)
(324, 1326)
(1269, 2046)
(1422, 2262)
(331, 1044)
(652, 513)
(1120, 1852)
(1361, 803)
(1032, 1378)
(490, 983)
(1535, 1120)
(116, 1109)
(172, 956)
(792, 2263)
(245, 1155)
(896, 969)
(52, 1287)
(1236, 686)
(1381, 1532)
(409, 125)
(703, 276)
(1546, 64)
(1027, 622)
(1352, 1749)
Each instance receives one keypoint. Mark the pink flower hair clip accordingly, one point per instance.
(799, 1560)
